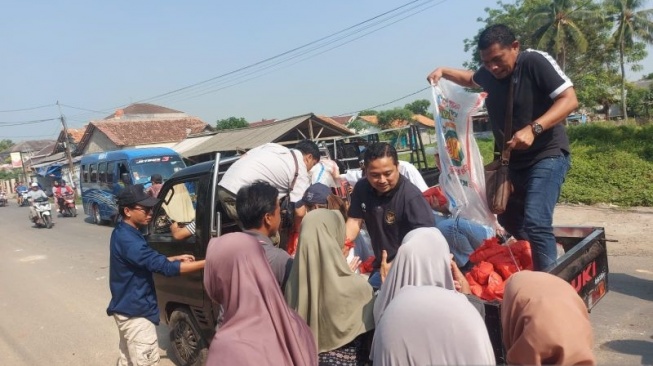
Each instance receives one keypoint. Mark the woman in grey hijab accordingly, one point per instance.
(430, 325)
(423, 259)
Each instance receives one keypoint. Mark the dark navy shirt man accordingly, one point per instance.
(543, 96)
(131, 263)
(389, 205)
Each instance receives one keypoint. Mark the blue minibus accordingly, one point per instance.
(105, 174)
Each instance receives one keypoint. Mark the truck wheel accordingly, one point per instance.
(97, 220)
(187, 343)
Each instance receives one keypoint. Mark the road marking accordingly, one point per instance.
(643, 271)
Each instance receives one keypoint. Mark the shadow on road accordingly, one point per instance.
(631, 286)
(633, 347)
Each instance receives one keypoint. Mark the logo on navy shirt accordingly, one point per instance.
(390, 217)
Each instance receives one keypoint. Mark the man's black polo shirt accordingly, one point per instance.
(539, 81)
(391, 216)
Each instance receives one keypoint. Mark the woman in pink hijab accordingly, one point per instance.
(545, 322)
(258, 326)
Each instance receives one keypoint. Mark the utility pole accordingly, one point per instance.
(66, 145)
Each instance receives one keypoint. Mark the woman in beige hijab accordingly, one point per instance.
(545, 322)
(336, 303)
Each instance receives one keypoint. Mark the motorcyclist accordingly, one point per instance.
(59, 190)
(34, 193)
(20, 188)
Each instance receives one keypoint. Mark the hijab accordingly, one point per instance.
(422, 260)
(336, 303)
(430, 325)
(258, 326)
(544, 321)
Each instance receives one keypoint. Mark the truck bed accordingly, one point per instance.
(584, 265)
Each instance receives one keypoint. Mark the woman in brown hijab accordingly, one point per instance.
(258, 328)
(545, 322)
(335, 302)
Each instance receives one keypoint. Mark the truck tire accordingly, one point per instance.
(188, 346)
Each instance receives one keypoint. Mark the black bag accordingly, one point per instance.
(497, 174)
(287, 207)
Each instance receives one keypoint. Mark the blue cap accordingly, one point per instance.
(316, 194)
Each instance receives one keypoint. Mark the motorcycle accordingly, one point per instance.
(24, 201)
(68, 208)
(43, 216)
(3, 199)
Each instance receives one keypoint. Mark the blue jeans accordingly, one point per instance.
(529, 214)
(463, 237)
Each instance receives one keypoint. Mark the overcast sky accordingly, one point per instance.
(94, 57)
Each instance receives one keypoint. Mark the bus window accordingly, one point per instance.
(111, 169)
(92, 169)
(102, 172)
(84, 174)
(144, 168)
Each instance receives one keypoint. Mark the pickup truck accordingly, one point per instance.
(192, 318)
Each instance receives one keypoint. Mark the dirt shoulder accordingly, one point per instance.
(631, 227)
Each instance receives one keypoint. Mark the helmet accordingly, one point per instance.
(34, 184)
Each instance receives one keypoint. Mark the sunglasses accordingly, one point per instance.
(146, 210)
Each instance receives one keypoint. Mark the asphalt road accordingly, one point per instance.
(54, 293)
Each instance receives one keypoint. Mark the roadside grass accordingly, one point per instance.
(611, 164)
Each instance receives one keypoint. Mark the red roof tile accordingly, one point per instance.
(144, 132)
(142, 108)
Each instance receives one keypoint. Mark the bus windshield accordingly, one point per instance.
(166, 165)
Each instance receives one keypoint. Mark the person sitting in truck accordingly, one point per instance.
(430, 325)
(133, 302)
(545, 322)
(322, 285)
(259, 213)
(258, 326)
(388, 204)
(285, 169)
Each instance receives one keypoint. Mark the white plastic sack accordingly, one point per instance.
(462, 178)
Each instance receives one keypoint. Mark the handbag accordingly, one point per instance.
(287, 208)
(497, 174)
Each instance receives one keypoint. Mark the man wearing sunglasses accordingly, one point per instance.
(131, 263)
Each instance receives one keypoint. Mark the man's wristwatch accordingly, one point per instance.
(537, 129)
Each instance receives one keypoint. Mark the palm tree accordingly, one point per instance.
(631, 25)
(558, 27)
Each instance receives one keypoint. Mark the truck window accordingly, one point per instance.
(84, 174)
(180, 203)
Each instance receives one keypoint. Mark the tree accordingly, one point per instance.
(368, 112)
(631, 25)
(231, 123)
(358, 125)
(5, 144)
(560, 27)
(420, 106)
(387, 117)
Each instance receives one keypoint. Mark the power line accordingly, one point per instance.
(300, 51)
(26, 109)
(26, 122)
(384, 104)
(200, 92)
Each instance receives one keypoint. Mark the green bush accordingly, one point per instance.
(610, 164)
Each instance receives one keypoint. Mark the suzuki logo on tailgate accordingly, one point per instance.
(584, 277)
